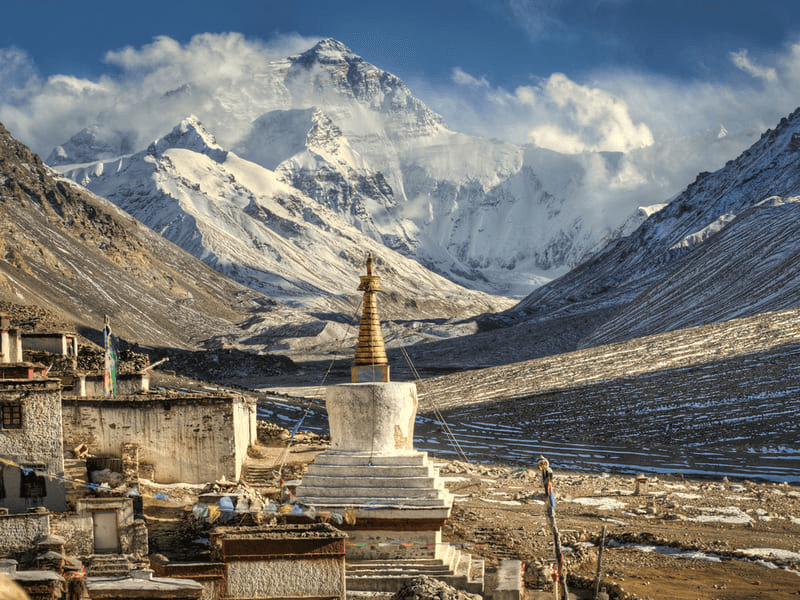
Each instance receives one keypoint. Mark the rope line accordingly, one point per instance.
(337, 352)
(437, 413)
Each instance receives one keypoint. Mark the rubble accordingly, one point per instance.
(428, 588)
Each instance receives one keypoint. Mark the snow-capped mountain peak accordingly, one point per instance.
(328, 51)
(90, 144)
(189, 134)
(260, 227)
(353, 138)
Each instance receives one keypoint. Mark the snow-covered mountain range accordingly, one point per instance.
(352, 146)
(248, 223)
(79, 255)
(728, 246)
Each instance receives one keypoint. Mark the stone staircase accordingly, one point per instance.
(109, 565)
(340, 480)
(77, 477)
(399, 488)
(257, 474)
(456, 568)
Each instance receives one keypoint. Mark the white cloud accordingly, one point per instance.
(743, 62)
(17, 72)
(537, 17)
(577, 118)
(461, 77)
(216, 76)
(665, 130)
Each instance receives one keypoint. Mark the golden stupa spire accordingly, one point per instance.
(370, 362)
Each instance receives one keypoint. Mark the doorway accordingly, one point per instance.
(106, 533)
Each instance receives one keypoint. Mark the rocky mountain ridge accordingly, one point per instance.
(726, 247)
(67, 250)
(247, 223)
(485, 214)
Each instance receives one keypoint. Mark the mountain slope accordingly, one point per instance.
(68, 250)
(488, 215)
(724, 248)
(248, 223)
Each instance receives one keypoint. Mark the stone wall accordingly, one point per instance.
(286, 578)
(37, 444)
(187, 438)
(285, 561)
(77, 528)
(127, 385)
(77, 531)
(18, 533)
(246, 433)
(10, 346)
(52, 343)
(375, 544)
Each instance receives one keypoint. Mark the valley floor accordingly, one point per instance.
(678, 539)
(682, 539)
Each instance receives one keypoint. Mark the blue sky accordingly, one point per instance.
(507, 42)
(680, 87)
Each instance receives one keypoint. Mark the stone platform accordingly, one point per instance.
(339, 480)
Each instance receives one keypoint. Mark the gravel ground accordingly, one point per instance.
(679, 539)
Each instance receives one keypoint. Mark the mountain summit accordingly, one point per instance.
(189, 134)
(255, 226)
(351, 137)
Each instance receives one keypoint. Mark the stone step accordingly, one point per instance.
(510, 585)
(406, 562)
(342, 503)
(332, 457)
(326, 481)
(390, 568)
(372, 491)
(259, 470)
(391, 575)
(335, 470)
(108, 565)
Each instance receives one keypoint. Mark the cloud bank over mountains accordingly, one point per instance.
(668, 129)
(665, 130)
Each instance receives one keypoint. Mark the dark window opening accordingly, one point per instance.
(32, 485)
(11, 416)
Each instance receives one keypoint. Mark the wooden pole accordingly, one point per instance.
(559, 575)
(599, 561)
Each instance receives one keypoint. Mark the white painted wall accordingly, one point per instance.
(377, 418)
(190, 439)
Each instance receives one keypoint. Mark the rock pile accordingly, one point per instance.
(428, 588)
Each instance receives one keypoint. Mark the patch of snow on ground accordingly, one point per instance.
(600, 503)
(667, 551)
(506, 502)
(733, 515)
(773, 553)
